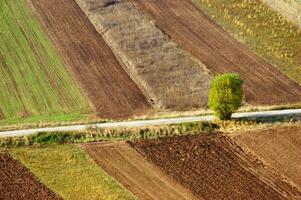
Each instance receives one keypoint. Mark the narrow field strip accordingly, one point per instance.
(17, 182)
(261, 29)
(143, 179)
(170, 76)
(214, 167)
(201, 36)
(68, 171)
(34, 81)
(90, 60)
(278, 147)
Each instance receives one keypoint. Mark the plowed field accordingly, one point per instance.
(278, 147)
(212, 166)
(17, 182)
(143, 179)
(91, 61)
(200, 35)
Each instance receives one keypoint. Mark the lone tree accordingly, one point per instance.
(225, 95)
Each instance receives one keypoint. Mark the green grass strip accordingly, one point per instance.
(33, 78)
(263, 30)
(71, 173)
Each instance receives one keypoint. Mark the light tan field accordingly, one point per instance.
(170, 76)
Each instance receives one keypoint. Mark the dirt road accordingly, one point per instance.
(140, 177)
(90, 60)
(201, 36)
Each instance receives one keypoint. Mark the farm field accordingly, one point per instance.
(212, 166)
(291, 9)
(201, 36)
(262, 30)
(278, 147)
(69, 172)
(34, 81)
(110, 90)
(140, 177)
(172, 78)
(17, 182)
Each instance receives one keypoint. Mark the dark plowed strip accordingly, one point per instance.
(214, 167)
(17, 182)
(90, 60)
(221, 53)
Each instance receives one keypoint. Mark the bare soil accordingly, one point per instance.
(17, 182)
(278, 147)
(212, 166)
(143, 179)
(171, 77)
(90, 60)
(202, 37)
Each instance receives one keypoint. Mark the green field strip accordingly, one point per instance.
(263, 30)
(33, 78)
(71, 173)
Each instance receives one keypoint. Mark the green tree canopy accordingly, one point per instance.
(225, 95)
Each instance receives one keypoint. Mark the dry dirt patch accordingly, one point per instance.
(91, 61)
(212, 166)
(278, 147)
(17, 182)
(135, 173)
(201, 36)
(171, 77)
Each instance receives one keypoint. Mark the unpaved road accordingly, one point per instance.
(141, 123)
(130, 168)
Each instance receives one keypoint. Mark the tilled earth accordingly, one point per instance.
(17, 182)
(212, 166)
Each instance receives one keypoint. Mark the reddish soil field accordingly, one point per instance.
(143, 179)
(197, 33)
(90, 60)
(278, 147)
(212, 166)
(17, 182)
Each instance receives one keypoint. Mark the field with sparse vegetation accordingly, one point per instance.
(263, 30)
(34, 82)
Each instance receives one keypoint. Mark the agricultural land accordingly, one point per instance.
(170, 76)
(34, 81)
(200, 35)
(112, 93)
(261, 29)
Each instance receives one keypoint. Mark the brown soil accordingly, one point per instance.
(17, 182)
(278, 147)
(221, 53)
(90, 60)
(172, 77)
(212, 166)
(143, 179)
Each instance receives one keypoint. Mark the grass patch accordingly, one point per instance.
(263, 30)
(34, 80)
(69, 172)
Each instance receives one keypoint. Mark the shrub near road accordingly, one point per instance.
(33, 79)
